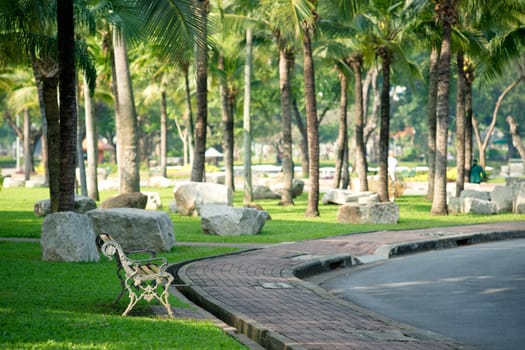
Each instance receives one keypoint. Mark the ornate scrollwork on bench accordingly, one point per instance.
(142, 278)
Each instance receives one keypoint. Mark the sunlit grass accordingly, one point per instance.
(288, 222)
(58, 305)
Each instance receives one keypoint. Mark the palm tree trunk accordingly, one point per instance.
(189, 117)
(311, 125)
(460, 126)
(439, 204)
(286, 59)
(127, 137)
(68, 105)
(227, 123)
(81, 124)
(360, 146)
(28, 159)
(50, 96)
(342, 137)
(305, 159)
(468, 129)
(247, 124)
(163, 134)
(201, 61)
(91, 144)
(384, 132)
(43, 140)
(431, 120)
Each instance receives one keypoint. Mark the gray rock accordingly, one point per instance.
(154, 202)
(371, 213)
(160, 181)
(519, 203)
(503, 197)
(297, 187)
(126, 200)
(478, 206)
(277, 186)
(135, 229)
(173, 206)
(336, 196)
(483, 195)
(14, 182)
(224, 220)
(264, 192)
(190, 196)
(510, 181)
(216, 178)
(455, 205)
(339, 196)
(68, 236)
(83, 204)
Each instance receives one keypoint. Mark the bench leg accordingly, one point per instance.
(148, 290)
(164, 297)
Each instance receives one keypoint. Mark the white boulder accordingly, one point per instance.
(135, 229)
(224, 220)
(191, 196)
(370, 213)
(68, 236)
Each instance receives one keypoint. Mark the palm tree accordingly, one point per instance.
(460, 124)
(39, 47)
(19, 86)
(91, 143)
(308, 28)
(68, 104)
(127, 133)
(431, 119)
(247, 124)
(447, 15)
(342, 137)
(201, 63)
(388, 28)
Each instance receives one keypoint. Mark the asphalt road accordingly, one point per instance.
(475, 294)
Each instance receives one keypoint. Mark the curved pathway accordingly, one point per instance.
(260, 292)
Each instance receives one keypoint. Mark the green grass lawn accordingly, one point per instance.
(57, 305)
(287, 224)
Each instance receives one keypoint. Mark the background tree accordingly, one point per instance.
(447, 15)
(202, 8)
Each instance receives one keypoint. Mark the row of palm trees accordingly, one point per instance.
(359, 38)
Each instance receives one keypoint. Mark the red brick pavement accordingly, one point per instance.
(258, 292)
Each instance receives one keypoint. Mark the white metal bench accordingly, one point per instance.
(142, 278)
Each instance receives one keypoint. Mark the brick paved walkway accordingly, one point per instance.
(259, 292)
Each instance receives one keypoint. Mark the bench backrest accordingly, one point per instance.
(111, 249)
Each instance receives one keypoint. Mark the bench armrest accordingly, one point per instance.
(160, 261)
(152, 253)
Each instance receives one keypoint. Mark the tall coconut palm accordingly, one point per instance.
(201, 63)
(247, 124)
(447, 16)
(388, 27)
(460, 124)
(17, 21)
(277, 17)
(431, 119)
(21, 96)
(68, 104)
(308, 26)
(32, 26)
(127, 133)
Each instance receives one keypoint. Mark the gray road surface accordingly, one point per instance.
(475, 294)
